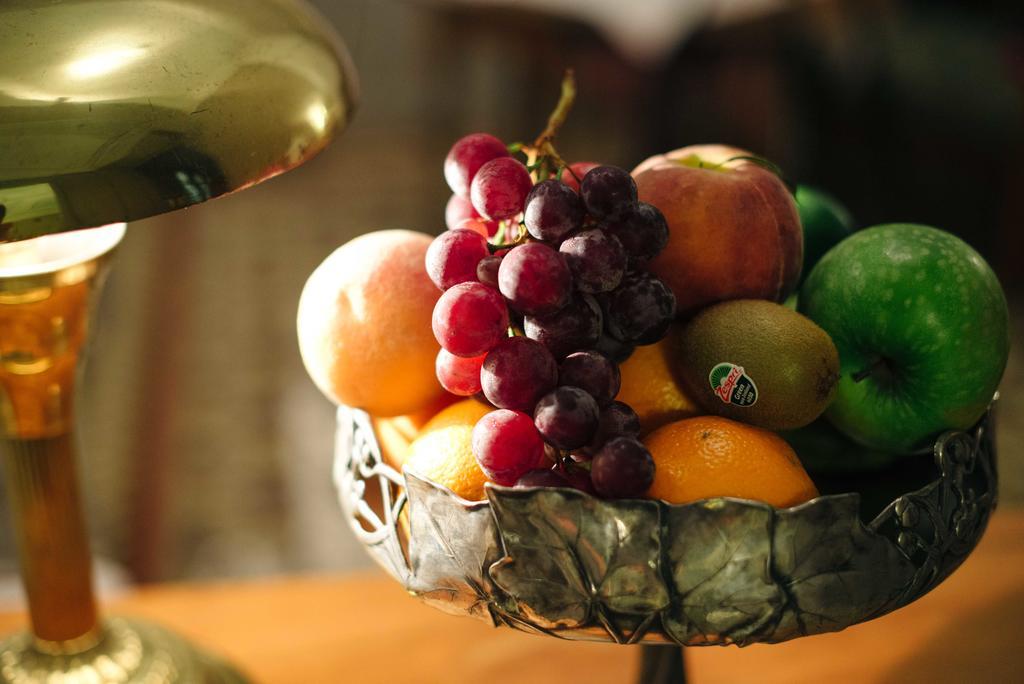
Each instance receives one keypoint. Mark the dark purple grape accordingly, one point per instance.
(466, 157)
(608, 192)
(567, 417)
(592, 372)
(575, 173)
(499, 188)
(643, 233)
(487, 269)
(597, 260)
(518, 372)
(542, 477)
(575, 326)
(534, 279)
(579, 478)
(616, 350)
(622, 469)
(553, 210)
(617, 420)
(640, 309)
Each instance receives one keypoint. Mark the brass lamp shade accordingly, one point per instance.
(115, 110)
(111, 111)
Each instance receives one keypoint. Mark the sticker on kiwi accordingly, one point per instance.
(732, 385)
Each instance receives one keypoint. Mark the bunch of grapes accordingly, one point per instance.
(545, 291)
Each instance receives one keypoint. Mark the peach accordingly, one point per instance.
(364, 325)
(734, 230)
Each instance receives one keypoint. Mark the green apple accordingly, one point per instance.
(837, 465)
(922, 330)
(822, 448)
(825, 223)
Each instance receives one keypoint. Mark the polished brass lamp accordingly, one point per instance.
(110, 111)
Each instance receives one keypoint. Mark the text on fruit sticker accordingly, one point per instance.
(732, 385)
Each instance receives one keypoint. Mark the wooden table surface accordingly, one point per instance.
(364, 628)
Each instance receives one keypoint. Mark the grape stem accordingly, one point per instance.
(542, 156)
(505, 238)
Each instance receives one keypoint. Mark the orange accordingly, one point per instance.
(650, 389)
(443, 451)
(395, 434)
(708, 456)
(364, 324)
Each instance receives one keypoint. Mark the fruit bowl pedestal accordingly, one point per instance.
(562, 563)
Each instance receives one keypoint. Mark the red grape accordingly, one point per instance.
(457, 210)
(592, 372)
(535, 279)
(597, 260)
(643, 233)
(567, 417)
(518, 372)
(640, 309)
(500, 187)
(580, 170)
(453, 255)
(576, 326)
(466, 157)
(552, 211)
(459, 374)
(507, 445)
(469, 319)
(623, 468)
(607, 192)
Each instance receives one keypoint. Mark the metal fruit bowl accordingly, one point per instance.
(721, 571)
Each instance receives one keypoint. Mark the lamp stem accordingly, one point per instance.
(56, 567)
(661, 664)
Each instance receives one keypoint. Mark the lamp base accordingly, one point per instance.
(128, 651)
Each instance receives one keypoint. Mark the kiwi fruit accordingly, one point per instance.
(757, 362)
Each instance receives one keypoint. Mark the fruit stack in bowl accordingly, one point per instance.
(651, 334)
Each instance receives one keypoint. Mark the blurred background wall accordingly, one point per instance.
(207, 451)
